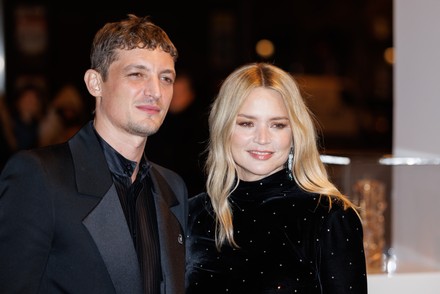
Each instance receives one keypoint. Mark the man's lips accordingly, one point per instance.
(151, 109)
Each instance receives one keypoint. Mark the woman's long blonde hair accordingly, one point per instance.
(307, 168)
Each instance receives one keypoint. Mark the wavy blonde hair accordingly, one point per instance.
(307, 168)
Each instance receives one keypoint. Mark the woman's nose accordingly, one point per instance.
(262, 135)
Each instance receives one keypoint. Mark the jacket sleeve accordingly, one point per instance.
(342, 266)
(26, 225)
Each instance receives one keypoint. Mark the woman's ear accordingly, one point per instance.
(93, 81)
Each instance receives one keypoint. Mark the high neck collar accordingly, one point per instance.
(267, 187)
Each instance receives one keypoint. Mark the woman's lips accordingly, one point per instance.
(260, 155)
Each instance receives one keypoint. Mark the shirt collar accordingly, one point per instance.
(121, 166)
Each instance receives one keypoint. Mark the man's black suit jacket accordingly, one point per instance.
(63, 230)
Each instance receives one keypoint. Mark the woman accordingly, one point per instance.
(270, 221)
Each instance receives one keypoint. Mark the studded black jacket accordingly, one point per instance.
(290, 241)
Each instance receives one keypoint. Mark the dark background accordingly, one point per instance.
(318, 41)
(335, 49)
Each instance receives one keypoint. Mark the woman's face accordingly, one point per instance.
(262, 136)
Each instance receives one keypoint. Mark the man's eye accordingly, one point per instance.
(168, 80)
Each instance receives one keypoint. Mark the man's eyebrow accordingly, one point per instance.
(143, 67)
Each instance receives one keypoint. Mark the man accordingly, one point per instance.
(93, 215)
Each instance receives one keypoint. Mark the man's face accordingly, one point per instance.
(137, 93)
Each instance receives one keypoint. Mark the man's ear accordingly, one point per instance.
(93, 81)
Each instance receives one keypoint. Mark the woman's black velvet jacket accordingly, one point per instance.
(290, 242)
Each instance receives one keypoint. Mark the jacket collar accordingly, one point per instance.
(107, 225)
(88, 159)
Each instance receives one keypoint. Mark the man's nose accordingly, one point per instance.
(152, 88)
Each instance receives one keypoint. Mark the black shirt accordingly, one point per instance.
(138, 205)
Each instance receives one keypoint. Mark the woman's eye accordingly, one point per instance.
(279, 126)
(245, 124)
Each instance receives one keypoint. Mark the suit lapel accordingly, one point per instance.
(170, 234)
(106, 222)
(113, 239)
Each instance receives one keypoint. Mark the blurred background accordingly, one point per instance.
(340, 52)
